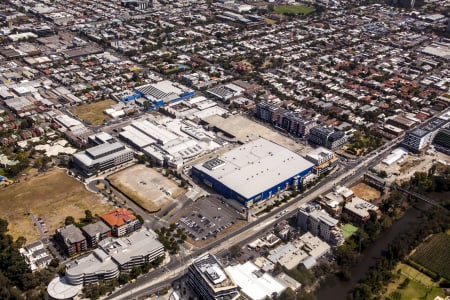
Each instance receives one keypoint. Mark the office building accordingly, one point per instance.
(323, 160)
(112, 257)
(102, 157)
(210, 281)
(267, 112)
(442, 140)
(71, 239)
(294, 124)
(419, 138)
(326, 137)
(121, 221)
(253, 172)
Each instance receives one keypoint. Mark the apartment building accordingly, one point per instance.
(317, 221)
(96, 232)
(71, 239)
(326, 137)
(121, 221)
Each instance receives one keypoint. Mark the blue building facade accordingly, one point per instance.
(294, 181)
(155, 104)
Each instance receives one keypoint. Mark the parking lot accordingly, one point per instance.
(207, 218)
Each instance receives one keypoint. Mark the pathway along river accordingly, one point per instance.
(333, 288)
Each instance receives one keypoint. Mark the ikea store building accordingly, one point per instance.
(253, 172)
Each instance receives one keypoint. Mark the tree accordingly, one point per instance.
(140, 218)
(89, 218)
(69, 220)
(54, 263)
(287, 294)
(146, 267)
(135, 272)
(235, 250)
(124, 278)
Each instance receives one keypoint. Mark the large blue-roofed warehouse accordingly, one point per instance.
(253, 172)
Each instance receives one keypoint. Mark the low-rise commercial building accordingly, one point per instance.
(323, 160)
(359, 209)
(254, 283)
(163, 92)
(210, 280)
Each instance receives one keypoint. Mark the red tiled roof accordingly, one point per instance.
(118, 217)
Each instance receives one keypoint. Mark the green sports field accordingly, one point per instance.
(348, 230)
(294, 9)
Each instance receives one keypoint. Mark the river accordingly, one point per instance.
(333, 288)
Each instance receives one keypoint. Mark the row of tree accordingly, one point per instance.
(171, 237)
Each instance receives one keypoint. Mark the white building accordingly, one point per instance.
(210, 280)
(102, 157)
(255, 284)
(114, 256)
(36, 256)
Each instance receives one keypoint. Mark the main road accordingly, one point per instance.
(164, 275)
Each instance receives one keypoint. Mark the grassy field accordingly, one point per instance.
(52, 195)
(93, 112)
(434, 254)
(419, 287)
(294, 9)
(348, 230)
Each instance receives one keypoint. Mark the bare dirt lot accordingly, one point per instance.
(146, 186)
(52, 196)
(366, 192)
(93, 112)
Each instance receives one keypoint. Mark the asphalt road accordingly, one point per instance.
(163, 276)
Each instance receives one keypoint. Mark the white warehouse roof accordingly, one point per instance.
(255, 167)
